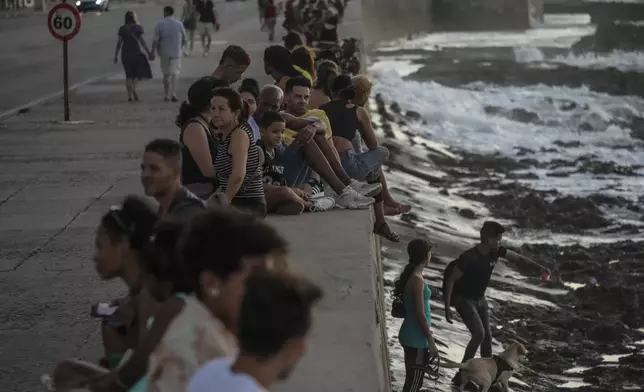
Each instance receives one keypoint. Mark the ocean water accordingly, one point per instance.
(459, 119)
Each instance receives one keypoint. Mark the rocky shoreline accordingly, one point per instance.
(602, 313)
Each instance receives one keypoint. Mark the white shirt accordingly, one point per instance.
(216, 376)
(193, 338)
(256, 133)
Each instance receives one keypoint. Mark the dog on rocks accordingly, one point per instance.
(486, 372)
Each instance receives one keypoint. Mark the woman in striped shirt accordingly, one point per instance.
(237, 159)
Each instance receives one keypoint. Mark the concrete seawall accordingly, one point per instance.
(384, 20)
(348, 351)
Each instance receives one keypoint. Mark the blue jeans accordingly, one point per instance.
(296, 170)
(360, 166)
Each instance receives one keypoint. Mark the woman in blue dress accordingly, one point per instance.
(135, 62)
(415, 335)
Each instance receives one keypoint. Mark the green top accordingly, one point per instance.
(411, 333)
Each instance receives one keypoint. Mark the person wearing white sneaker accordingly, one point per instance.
(298, 94)
(303, 156)
(280, 198)
(346, 120)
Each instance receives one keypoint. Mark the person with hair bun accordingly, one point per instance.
(321, 92)
(346, 121)
(363, 87)
(218, 250)
(122, 238)
(279, 65)
(303, 60)
(197, 138)
(415, 332)
(237, 158)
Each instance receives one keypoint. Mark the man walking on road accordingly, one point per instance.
(169, 38)
(465, 281)
(208, 23)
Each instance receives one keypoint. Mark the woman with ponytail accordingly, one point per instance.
(415, 335)
(278, 65)
(347, 119)
(237, 160)
(303, 60)
(122, 238)
(197, 138)
(321, 92)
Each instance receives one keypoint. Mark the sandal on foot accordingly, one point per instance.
(385, 231)
(396, 209)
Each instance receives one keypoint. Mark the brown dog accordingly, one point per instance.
(486, 372)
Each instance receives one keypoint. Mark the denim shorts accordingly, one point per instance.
(296, 170)
(360, 166)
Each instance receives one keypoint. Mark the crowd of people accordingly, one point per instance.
(211, 304)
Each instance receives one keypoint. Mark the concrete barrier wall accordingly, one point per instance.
(467, 15)
(384, 20)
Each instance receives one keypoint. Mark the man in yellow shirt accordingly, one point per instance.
(298, 92)
(303, 155)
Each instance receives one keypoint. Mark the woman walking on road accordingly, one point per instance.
(135, 62)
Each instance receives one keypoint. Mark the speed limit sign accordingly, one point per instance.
(64, 21)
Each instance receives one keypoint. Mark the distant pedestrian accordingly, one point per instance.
(208, 23)
(270, 18)
(189, 18)
(169, 38)
(134, 60)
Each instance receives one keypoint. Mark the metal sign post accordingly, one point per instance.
(64, 22)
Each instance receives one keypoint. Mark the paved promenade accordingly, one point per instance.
(57, 179)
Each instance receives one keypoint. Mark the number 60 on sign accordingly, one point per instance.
(64, 21)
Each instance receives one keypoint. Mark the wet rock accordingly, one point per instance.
(568, 144)
(412, 115)
(467, 213)
(532, 211)
(525, 116)
(607, 332)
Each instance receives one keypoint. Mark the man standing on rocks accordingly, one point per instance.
(465, 281)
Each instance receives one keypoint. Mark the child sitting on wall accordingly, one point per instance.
(281, 199)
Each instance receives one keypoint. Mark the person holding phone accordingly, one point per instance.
(415, 334)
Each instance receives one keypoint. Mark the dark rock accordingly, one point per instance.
(467, 213)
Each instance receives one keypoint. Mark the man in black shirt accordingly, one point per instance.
(208, 23)
(466, 280)
(161, 179)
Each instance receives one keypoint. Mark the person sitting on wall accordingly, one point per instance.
(304, 155)
(280, 198)
(298, 93)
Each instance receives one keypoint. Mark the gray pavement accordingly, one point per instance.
(31, 59)
(57, 179)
